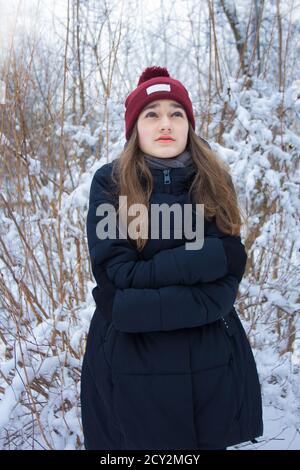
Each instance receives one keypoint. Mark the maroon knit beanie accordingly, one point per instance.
(155, 83)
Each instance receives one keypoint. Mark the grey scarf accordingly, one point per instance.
(181, 160)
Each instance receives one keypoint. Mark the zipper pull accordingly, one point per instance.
(167, 178)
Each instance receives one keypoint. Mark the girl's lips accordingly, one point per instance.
(165, 141)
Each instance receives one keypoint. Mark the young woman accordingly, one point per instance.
(167, 363)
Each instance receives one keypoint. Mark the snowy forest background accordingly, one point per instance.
(65, 69)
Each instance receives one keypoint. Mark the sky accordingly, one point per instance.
(36, 14)
(32, 15)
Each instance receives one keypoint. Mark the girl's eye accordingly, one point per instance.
(177, 112)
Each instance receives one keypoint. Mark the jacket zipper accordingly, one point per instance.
(167, 178)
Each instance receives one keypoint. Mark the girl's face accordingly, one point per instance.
(163, 118)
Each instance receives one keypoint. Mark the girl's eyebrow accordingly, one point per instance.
(155, 105)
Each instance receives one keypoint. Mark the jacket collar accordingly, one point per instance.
(171, 175)
(181, 160)
(172, 180)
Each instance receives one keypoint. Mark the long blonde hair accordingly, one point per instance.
(211, 186)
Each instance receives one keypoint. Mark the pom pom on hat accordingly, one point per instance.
(151, 72)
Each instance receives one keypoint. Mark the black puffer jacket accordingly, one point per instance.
(174, 368)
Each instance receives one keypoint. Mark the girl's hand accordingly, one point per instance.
(236, 256)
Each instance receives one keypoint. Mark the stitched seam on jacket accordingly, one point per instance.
(177, 267)
(173, 373)
(160, 314)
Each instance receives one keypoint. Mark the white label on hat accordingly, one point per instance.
(158, 87)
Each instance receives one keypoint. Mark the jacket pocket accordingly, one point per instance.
(110, 339)
(108, 331)
(230, 333)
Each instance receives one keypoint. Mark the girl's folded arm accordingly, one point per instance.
(173, 307)
(168, 267)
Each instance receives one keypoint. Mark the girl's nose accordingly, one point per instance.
(165, 123)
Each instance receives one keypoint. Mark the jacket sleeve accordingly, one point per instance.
(168, 267)
(173, 307)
